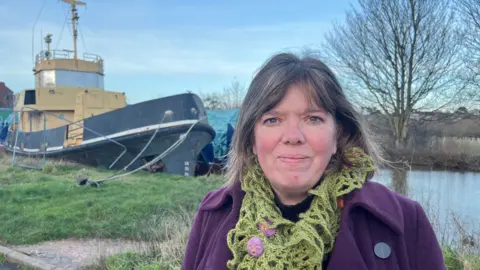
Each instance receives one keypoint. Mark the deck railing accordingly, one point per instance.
(66, 54)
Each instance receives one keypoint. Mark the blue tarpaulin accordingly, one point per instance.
(223, 122)
(5, 121)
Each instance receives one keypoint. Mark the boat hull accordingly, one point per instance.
(106, 136)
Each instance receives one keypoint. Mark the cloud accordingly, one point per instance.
(216, 50)
(220, 51)
(227, 51)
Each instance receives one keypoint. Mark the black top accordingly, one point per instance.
(292, 212)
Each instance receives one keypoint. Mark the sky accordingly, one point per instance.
(159, 48)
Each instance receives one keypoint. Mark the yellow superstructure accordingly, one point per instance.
(68, 88)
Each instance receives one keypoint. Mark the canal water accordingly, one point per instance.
(451, 199)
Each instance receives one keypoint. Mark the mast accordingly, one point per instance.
(48, 41)
(73, 4)
(61, 68)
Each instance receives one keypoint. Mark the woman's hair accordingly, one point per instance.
(268, 88)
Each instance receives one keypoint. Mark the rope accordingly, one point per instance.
(33, 30)
(61, 32)
(81, 33)
(81, 36)
(167, 113)
(181, 138)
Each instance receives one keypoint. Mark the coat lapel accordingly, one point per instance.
(383, 206)
(346, 254)
(232, 196)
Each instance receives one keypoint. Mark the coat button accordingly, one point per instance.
(382, 250)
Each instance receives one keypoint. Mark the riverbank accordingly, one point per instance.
(141, 221)
(434, 160)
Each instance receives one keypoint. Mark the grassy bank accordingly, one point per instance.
(47, 205)
(435, 160)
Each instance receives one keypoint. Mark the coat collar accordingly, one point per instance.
(219, 198)
(379, 201)
(373, 197)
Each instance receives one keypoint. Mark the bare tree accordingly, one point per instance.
(469, 11)
(212, 101)
(233, 94)
(231, 97)
(399, 56)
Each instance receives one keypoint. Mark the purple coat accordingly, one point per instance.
(379, 229)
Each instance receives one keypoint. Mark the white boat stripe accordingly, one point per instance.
(118, 134)
(140, 129)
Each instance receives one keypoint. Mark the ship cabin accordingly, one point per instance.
(67, 90)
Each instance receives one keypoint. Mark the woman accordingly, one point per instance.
(298, 194)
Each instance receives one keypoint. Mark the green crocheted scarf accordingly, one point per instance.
(263, 239)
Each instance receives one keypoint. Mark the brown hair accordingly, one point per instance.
(268, 88)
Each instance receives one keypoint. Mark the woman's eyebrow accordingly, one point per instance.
(272, 112)
(307, 111)
(314, 110)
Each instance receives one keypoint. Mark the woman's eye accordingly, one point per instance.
(315, 119)
(270, 121)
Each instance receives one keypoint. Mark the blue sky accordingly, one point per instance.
(160, 48)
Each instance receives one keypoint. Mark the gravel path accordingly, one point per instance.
(72, 254)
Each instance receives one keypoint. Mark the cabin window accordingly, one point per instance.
(30, 98)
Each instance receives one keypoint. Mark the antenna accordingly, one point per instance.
(48, 40)
(74, 4)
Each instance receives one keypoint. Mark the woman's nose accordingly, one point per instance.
(292, 133)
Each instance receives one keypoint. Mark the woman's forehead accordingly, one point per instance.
(300, 98)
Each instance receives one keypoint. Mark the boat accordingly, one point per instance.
(70, 115)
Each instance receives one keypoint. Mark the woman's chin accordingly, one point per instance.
(294, 185)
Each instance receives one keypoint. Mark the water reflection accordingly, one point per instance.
(399, 181)
(443, 194)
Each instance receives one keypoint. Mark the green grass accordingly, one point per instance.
(455, 260)
(49, 205)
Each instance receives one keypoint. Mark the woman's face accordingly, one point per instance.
(294, 142)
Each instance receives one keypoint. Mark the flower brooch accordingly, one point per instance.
(255, 244)
(264, 228)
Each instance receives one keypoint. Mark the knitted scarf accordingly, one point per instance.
(263, 239)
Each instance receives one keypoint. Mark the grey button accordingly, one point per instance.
(382, 250)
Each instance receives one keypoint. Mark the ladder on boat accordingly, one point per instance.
(74, 134)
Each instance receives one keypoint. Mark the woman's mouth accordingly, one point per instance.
(293, 159)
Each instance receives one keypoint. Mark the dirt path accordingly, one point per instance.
(73, 254)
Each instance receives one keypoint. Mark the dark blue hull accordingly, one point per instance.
(106, 136)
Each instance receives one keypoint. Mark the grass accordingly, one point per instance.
(49, 205)
(455, 260)
(155, 208)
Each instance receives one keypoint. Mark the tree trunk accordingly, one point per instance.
(400, 128)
